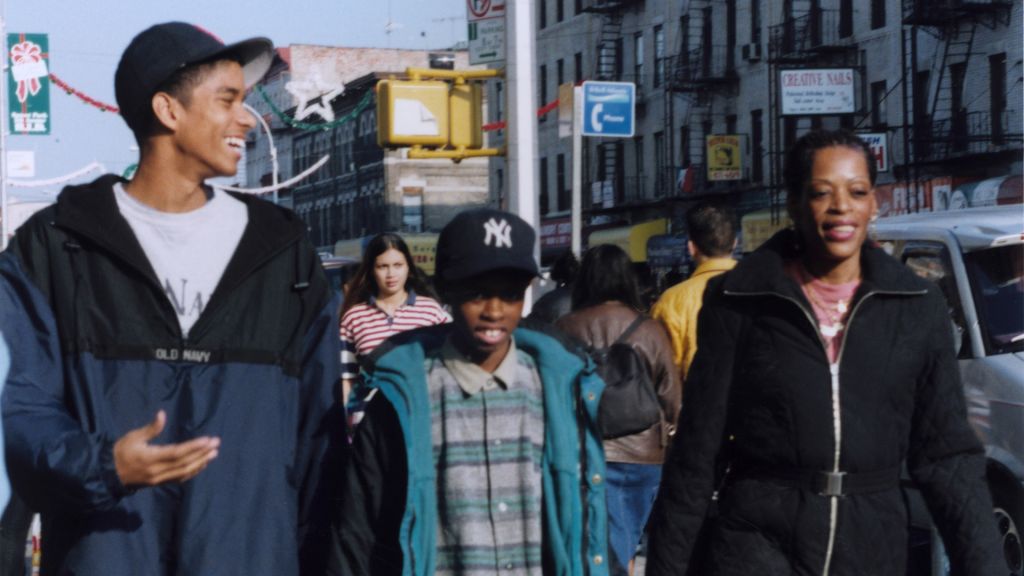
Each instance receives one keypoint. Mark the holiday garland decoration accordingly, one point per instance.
(309, 127)
(103, 107)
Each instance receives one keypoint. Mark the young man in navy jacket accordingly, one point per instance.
(168, 409)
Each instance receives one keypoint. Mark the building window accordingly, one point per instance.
(730, 35)
(499, 100)
(997, 95)
(559, 10)
(564, 199)
(958, 110)
(638, 156)
(659, 55)
(638, 58)
(560, 72)
(577, 6)
(544, 208)
(412, 211)
(542, 13)
(660, 166)
(542, 88)
(788, 131)
(685, 158)
(706, 39)
(845, 18)
(877, 14)
(705, 131)
(730, 124)
(757, 146)
(755, 22)
(578, 67)
(879, 113)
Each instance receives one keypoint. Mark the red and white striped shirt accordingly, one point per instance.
(365, 326)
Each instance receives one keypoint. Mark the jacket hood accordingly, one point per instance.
(90, 211)
(764, 270)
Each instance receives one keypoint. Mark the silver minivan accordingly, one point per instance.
(976, 256)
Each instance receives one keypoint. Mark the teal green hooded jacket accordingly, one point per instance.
(572, 467)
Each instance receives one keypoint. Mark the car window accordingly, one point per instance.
(998, 278)
(930, 260)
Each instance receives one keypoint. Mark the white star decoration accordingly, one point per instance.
(314, 96)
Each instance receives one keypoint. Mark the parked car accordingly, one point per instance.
(976, 256)
(339, 270)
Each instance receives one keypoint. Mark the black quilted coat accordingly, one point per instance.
(896, 398)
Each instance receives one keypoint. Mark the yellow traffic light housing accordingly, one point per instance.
(412, 112)
(435, 117)
(465, 113)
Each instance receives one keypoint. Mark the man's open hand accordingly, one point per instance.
(140, 463)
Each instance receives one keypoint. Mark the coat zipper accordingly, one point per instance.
(837, 422)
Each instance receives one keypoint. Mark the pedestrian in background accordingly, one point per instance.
(606, 304)
(558, 302)
(170, 404)
(387, 295)
(822, 366)
(712, 238)
(470, 458)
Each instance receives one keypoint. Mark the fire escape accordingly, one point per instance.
(941, 125)
(609, 67)
(704, 67)
(808, 37)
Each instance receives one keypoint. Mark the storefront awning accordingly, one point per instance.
(632, 239)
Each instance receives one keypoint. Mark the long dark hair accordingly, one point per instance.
(606, 274)
(364, 285)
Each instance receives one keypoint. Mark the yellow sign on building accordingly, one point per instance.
(725, 161)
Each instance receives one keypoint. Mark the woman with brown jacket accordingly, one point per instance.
(606, 302)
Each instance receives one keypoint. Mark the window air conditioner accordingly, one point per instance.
(752, 52)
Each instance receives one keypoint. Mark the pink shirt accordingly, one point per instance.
(823, 297)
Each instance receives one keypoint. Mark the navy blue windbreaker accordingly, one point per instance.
(96, 351)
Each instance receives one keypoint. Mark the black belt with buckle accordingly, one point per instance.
(827, 483)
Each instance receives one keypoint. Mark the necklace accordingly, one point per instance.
(834, 312)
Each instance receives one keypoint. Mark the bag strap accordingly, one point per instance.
(630, 329)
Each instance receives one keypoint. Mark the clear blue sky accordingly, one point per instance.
(87, 37)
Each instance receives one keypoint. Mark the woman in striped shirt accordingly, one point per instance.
(388, 295)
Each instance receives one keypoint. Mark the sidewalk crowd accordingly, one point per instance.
(185, 394)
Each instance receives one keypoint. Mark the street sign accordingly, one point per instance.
(486, 19)
(609, 109)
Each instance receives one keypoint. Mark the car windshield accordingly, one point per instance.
(998, 278)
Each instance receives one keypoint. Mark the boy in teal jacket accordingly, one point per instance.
(479, 452)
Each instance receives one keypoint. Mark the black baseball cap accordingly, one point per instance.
(482, 240)
(158, 52)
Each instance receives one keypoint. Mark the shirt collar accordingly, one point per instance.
(723, 264)
(471, 377)
(410, 301)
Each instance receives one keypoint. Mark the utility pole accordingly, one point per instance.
(522, 116)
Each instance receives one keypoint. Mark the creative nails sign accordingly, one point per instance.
(28, 84)
(817, 91)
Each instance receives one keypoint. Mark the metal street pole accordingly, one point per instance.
(4, 212)
(522, 106)
(577, 170)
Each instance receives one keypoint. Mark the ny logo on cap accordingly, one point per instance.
(499, 232)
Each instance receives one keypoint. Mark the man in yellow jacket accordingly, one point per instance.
(712, 232)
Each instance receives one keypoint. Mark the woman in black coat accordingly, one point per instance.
(823, 365)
